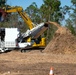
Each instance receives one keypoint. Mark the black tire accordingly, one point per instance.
(23, 51)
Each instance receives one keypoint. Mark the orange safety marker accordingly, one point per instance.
(51, 71)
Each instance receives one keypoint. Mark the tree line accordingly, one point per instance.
(50, 10)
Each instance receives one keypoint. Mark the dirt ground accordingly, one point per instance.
(63, 42)
(36, 63)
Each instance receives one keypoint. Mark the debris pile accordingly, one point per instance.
(63, 41)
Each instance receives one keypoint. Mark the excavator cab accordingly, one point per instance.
(2, 15)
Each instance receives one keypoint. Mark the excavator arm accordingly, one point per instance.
(24, 16)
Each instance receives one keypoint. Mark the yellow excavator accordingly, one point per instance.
(33, 34)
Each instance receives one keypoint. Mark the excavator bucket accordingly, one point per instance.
(36, 31)
(42, 30)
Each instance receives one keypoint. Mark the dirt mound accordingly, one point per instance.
(63, 42)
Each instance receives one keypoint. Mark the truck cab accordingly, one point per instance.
(8, 38)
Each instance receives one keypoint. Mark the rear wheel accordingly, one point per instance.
(22, 51)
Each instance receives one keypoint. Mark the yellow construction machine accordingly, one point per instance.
(32, 35)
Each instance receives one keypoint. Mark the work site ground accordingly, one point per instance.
(36, 63)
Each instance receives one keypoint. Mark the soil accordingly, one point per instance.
(36, 63)
(63, 42)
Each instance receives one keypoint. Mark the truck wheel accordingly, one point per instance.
(22, 51)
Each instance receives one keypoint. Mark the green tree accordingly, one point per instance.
(33, 12)
(71, 21)
(51, 11)
(52, 8)
(74, 2)
(2, 3)
(73, 15)
(69, 25)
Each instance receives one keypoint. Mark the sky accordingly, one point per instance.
(26, 3)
